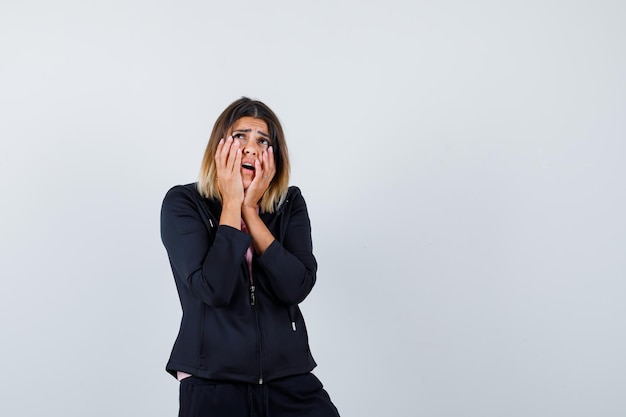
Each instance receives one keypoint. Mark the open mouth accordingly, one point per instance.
(247, 165)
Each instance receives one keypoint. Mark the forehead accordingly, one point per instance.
(250, 123)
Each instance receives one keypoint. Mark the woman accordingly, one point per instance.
(239, 243)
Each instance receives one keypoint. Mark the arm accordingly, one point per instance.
(265, 170)
(262, 238)
(290, 266)
(208, 271)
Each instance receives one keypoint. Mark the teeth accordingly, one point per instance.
(247, 165)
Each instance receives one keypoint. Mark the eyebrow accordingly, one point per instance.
(260, 132)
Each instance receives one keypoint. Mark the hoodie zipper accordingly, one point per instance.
(258, 330)
(253, 304)
(258, 324)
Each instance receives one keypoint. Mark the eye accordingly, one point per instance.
(264, 142)
(238, 136)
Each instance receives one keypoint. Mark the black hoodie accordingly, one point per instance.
(227, 333)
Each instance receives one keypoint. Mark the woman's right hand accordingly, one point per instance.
(228, 163)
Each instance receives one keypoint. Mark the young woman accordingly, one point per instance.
(239, 243)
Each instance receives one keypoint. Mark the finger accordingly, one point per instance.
(263, 164)
(234, 152)
(218, 152)
(228, 154)
(220, 144)
(270, 165)
(223, 150)
(237, 161)
(258, 170)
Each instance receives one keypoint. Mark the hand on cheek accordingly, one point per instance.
(263, 175)
(228, 162)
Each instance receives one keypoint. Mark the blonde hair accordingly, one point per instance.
(245, 107)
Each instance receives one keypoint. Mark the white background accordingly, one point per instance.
(463, 163)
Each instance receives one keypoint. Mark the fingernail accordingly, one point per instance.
(271, 149)
(221, 141)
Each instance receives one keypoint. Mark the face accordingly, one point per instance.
(254, 139)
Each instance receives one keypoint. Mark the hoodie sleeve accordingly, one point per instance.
(289, 265)
(207, 270)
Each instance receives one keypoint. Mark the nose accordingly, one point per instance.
(251, 149)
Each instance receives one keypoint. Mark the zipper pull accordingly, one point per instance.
(252, 296)
(293, 325)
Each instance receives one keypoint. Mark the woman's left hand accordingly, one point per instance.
(264, 172)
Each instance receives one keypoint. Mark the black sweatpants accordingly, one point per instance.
(299, 395)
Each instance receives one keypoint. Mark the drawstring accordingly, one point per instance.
(292, 316)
